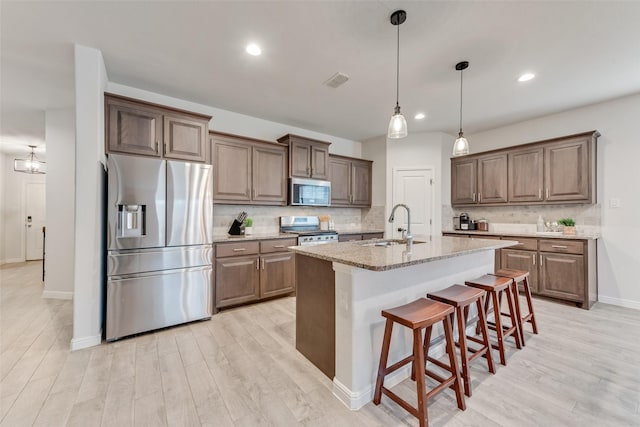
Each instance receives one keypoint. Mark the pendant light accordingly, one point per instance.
(461, 146)
(29, 165)
(398, 124)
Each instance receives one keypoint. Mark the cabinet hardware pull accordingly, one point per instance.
(534, 259)
(263, 263)
(479, 197)
(257, 264)
(547, 192)
(559, 247)
(157, 143)
(540, 259)
(278, 246)
(239, 249)
(474, 197)
(520, 244)
(539, 193)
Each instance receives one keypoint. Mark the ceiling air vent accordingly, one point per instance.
(336, 80)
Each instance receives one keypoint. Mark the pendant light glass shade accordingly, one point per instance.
(30, 165)
(398, 124)
(461, 145)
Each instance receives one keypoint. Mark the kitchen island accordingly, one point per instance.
(342, 288)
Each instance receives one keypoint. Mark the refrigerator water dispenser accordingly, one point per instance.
(132, 220)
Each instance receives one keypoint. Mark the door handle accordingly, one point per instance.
(474, 197)
(479, 197)
(547, 192)
(279, 246)
(257, 264)
(534, 259)
(559, 247)
(263, 263)
(539, 193)
(239, 249)
(540, 259)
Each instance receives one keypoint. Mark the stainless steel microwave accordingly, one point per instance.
(309, 192)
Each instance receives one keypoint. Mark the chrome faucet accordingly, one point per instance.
(409, 238)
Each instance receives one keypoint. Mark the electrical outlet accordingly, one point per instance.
(614, 202)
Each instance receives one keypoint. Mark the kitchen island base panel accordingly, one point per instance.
(361, 295)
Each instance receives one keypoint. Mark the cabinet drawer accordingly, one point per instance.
(236, 249)
(524, 243)
(349, 237)
(369, 236)
(562, 246)
(276, 245)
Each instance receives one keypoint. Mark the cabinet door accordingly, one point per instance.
(300, 159)
(237, 280)
(269, 175)
(232, 171)
(339, 174)
(319, 162)
(492, 179)
(526, 175)
(463, 181)
(567, 172)
(562, 276)
(185, 138)
(133, 129)
(522, 260)
(360, 183)
(277, 274)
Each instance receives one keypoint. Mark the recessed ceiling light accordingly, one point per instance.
(526, 77)
(419, 116)
(253, 49)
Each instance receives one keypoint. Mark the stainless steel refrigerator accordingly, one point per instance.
(159, 244)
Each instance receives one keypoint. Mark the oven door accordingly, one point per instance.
(309, 192)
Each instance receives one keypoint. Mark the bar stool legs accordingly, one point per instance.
(418, 315)
(520, 276)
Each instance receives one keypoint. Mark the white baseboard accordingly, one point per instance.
(85, 342)
(620, 302)
(11, 260)
(57, 294)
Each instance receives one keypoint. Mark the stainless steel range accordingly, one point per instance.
(308, 230)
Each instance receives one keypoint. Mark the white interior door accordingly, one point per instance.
(35, 215)
(414, 188)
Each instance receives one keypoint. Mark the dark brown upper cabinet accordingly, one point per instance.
(526, 175)
(350, 181)
(248, 171)
(308, 158)
(142, 128)
(556, 171)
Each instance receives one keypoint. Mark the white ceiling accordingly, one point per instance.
(582, 52)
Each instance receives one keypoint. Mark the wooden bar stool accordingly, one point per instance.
(418, 315)
(521, 276)
(461, 298)
(495, 286)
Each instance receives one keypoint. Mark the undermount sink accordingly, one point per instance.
(389, 242)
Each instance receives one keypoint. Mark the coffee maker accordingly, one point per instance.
(465, 221)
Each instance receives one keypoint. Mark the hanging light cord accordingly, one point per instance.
(398, 66)
(460, 132)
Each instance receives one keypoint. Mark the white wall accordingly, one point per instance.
(90, 83)
(3, 160)
(13, 209)
(376, 149)
(240, 124)
(416, 150)
(59, 260)
(618, 154)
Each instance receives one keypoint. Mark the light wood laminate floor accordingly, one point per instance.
(241, 369)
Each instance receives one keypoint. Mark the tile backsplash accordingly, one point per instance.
(265, 218)
(586, 216)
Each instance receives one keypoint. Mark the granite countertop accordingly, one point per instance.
(544, 235)
(226, 238)
(379, 258)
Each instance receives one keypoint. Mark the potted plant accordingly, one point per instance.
(248, 226)
(569, 225)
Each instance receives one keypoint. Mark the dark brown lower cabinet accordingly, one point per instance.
(350, 237)
(277, 274)
(249, 271)
(237, 280)
(562, 276)
(522, 260)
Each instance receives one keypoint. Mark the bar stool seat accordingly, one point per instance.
(495, 286)
(521, 276)
(461, 298)
(418, 315)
